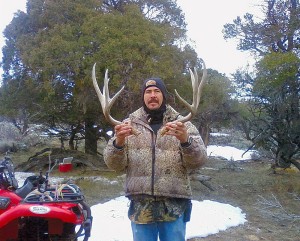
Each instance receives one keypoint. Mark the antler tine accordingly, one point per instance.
(197, 89)
(105, 101)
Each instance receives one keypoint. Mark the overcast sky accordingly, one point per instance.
(205, 20)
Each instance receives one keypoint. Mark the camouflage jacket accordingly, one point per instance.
(156, 165)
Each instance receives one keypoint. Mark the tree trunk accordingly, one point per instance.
(62, 144)
(296, 163)
(285, 155)
(204, 133)
(72, 137)
(74, 130)
(90, 137)
(71, 143)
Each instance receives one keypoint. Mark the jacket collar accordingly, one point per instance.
(141, 115)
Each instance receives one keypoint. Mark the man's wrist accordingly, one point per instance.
(187, 143)
(117, 146)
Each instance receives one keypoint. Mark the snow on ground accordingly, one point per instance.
(229, 152)
(110, 222)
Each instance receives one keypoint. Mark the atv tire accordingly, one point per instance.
(33, 229)
(69, 234)
(36, 229)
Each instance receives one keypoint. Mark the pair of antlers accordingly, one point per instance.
(107, 102)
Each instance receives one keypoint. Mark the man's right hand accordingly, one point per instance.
(121, 132)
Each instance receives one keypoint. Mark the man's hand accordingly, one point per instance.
(122, 131)
(177, 129)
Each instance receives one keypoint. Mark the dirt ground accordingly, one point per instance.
(270, 201)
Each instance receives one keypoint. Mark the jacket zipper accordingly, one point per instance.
(153, 163)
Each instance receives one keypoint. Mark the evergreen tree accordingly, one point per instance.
(54, 45)
(272, 93)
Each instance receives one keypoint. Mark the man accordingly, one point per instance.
(156, 165)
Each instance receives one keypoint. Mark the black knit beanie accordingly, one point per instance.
(157, 82)
(155, 115)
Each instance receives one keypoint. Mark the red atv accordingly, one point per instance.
(39, 210)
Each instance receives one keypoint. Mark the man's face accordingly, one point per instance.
(153, 98)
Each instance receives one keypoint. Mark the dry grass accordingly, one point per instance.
(269, 200)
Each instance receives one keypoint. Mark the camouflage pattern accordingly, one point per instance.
(156, 165)
(144, 210)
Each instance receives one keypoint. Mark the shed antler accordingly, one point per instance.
(197, 89)
(105, 101)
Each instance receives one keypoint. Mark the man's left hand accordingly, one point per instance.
(177, 129)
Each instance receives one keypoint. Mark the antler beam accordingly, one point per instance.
(197, 90)
(105, 101)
